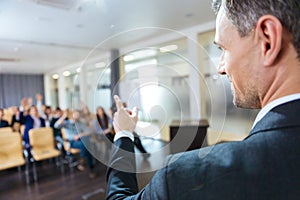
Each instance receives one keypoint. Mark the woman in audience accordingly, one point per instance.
(17, 119)
(32, 120)
(103, 124)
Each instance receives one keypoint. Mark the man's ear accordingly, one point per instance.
(269, 30)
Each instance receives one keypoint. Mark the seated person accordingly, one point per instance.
(32, 120)
(57, 131)
(86, 116)
(103, 124)
(45, 111)
(17, 119)
(3, 123)
(77, 132)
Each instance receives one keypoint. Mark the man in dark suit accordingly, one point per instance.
(260, 41)
(3, 123)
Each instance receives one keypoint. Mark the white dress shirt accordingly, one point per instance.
(273, 104)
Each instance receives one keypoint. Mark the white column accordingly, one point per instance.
(83, 85)
(47, 88)
(197, 98)
(62, 97)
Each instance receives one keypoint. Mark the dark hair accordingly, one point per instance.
(244, 15)
(103, 124)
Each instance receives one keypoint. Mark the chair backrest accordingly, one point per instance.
(42, 138)
(67, 145)
(6, 130)
(11, 151)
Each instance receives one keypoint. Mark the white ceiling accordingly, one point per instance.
(37, 38)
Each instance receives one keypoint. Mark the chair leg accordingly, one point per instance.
(27, 172)
(34, 172)
(62, 167)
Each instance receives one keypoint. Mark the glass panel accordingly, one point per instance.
(98, 80)
(72, 91)
(54, 92)
(158, 83)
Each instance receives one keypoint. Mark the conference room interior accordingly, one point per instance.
(158, 56)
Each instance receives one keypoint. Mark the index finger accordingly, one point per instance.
(118, 101)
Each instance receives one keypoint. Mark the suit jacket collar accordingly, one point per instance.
(282, 116)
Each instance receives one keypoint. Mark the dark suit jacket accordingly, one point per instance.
(29, 122)
(14, 119)
(266, 165)
(3, 123)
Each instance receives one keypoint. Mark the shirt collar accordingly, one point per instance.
(273, 104)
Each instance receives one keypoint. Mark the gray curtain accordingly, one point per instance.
(14, 87)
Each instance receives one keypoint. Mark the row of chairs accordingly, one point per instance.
(13, 154)
(11, 151)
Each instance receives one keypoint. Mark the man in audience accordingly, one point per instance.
(3, 123)
(45, 111)
(57, 131)
(260, 41)
(77, 132)
(26, 103)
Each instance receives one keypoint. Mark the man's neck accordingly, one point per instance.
(285, 80)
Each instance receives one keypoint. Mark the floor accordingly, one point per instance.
(52, 184)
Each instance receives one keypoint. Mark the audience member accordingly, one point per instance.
(32, 121)
(17, 119)
(26, 103)
(260, 44)
(3, 123)
(57, 131)
(77, 134)
(102, 124)
(86, 116)
(44, 111)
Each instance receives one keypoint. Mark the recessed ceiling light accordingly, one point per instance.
(78, 70)
(55, 76)
(128, 58)
(168, 48)
(66, 73)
